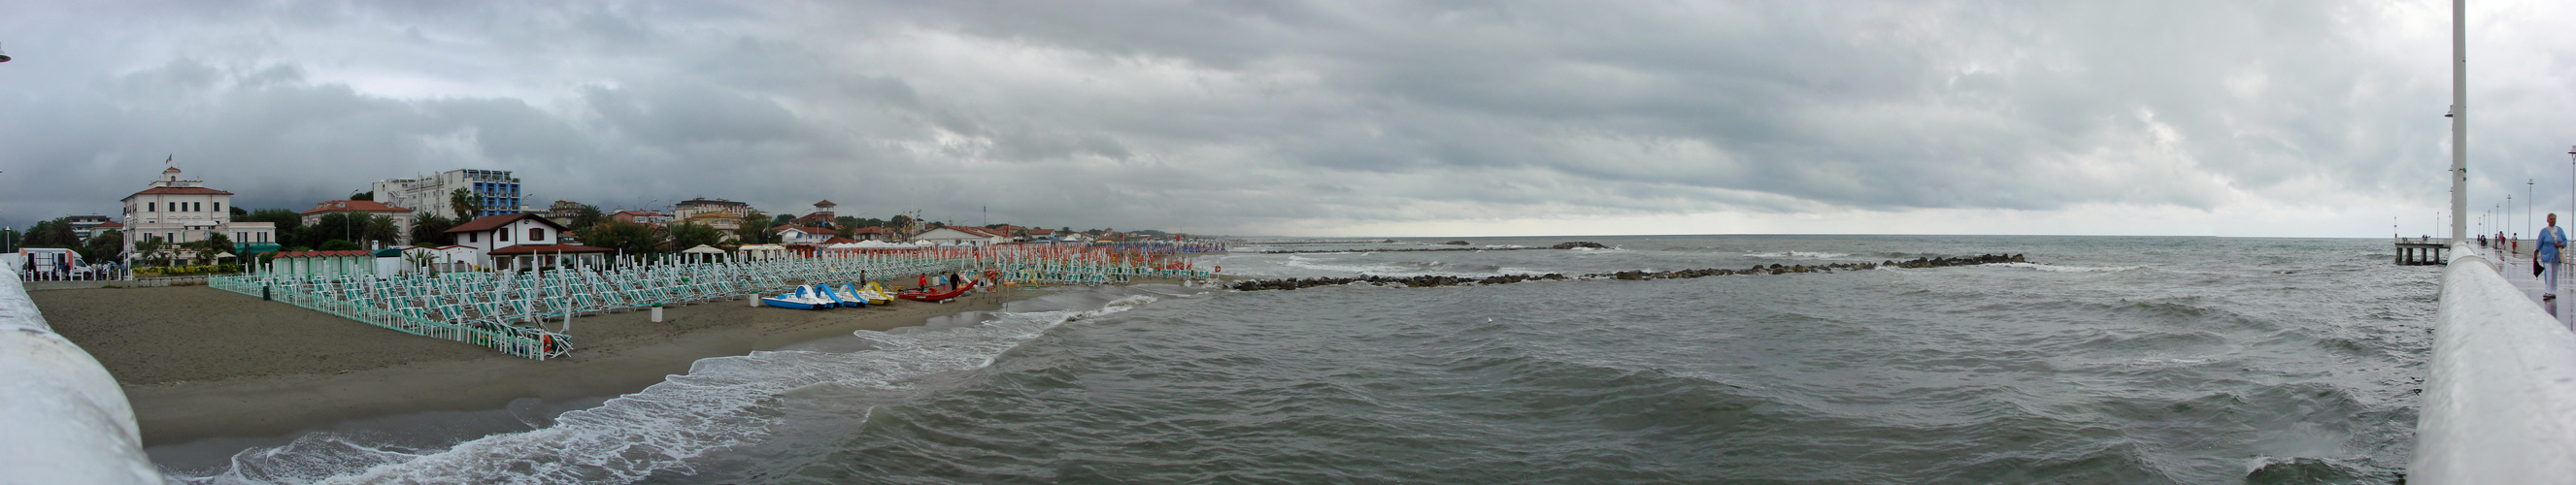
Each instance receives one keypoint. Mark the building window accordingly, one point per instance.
(469, 237)
(501, 235)
(219, 207)
(151, 207)
(536, 234)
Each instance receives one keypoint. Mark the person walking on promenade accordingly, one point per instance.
(2551, 240)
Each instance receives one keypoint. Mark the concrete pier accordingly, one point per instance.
(2422, 251)
(2500, 396)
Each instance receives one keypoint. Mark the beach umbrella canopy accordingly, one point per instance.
(223, 255)
(703, 249)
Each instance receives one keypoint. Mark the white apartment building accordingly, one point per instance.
(693, 207)
(178, 210)
(499, 191)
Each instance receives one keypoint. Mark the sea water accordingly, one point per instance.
(2104, 359)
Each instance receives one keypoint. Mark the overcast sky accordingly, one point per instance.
(2232, 118)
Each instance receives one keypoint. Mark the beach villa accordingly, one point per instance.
(872, 234)
(967, 235)
(822, 214)
(803, 235)
(178, 211)
(640, 217)
(523, 240)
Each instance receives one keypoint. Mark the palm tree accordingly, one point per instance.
(589, 216)
(148, 251)
(755, 228)
(424, 260)
(431, 230)
(382, 229)
(465, 204)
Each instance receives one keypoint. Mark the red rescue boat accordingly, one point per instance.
(925, 295)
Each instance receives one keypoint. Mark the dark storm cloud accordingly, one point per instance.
(1234, 116)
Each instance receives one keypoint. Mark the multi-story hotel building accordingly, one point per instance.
(498, 192)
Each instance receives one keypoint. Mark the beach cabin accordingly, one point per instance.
(523, 240)
(323, 263)
(761, 251)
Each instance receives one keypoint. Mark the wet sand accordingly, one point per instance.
(202, 363)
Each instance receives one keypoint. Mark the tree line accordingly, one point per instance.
(347, 231)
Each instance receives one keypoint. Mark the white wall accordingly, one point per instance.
(62, 417)
(2500, 399)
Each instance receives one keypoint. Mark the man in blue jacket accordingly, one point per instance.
(2551, 240)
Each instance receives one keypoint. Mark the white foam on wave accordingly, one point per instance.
(2070, 269)
(1794, 254)
(1317, 264)
(721, 403)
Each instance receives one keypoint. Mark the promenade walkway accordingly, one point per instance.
(2517, 269)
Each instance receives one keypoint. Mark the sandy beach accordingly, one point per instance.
(201, 363)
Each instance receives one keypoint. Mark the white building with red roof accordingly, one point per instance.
(873, 233)
(822, 214)
(523, 240)
(655, 218)
(178, 210)
(803, 235)
(968, 235)
(364, 208)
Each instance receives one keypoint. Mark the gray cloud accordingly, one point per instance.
(1238, 116)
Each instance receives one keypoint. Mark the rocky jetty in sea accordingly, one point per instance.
(1974, 260)
(1441, 280)
(1568, 245)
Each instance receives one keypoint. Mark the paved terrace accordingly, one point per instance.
(2517, 270)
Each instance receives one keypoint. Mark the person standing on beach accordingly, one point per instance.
(2551, 240)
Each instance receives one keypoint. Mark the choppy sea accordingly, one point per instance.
(2104, 360)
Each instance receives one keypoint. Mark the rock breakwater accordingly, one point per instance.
(1564, 245)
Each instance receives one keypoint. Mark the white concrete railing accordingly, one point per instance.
(2500, 399)
(62, 417)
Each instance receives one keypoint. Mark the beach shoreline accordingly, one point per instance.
(199, 363)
